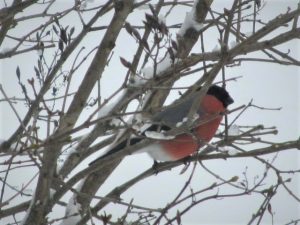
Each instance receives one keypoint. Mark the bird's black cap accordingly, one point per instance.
(221, 94)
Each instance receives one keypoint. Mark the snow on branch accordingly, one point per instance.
(190, 21)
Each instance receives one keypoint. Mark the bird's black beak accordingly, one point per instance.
(229, 101)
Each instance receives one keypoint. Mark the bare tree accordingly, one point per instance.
(68, 113)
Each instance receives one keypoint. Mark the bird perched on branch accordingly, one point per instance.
(173, 139)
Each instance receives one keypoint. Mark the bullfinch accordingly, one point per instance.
(168, 147)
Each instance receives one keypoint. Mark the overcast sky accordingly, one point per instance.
(269, 85)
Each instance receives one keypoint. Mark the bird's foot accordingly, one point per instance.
(155, 167)
(186, 160)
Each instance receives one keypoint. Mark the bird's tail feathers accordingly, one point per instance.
(132, 141)
(118, 148)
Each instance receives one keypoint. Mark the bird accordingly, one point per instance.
(166, 147)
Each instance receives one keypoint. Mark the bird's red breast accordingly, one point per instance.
(186, 144)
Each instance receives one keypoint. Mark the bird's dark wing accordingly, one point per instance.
(170, 116)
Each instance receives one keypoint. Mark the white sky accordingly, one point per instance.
(268, 85)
